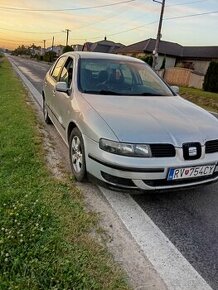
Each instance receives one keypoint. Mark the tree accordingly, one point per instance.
(211, 78)
(67, 48)
(21, 50)
(50, 56)
(148, 59)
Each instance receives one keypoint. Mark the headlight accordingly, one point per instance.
(126, 149)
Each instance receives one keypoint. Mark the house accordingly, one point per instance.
(105, 46)
(35, 50)
(196, 58)
(58, 49)
(77, 47)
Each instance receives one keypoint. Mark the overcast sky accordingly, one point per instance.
(127, 22)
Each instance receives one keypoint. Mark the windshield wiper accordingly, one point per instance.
(149, 94)
(102, 92)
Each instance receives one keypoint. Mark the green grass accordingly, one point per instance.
(45, 240)
(207, 100)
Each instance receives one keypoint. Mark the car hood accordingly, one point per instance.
(140, 119)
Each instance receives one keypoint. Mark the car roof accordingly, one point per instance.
(100, 55)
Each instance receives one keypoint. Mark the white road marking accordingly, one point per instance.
(173, 268)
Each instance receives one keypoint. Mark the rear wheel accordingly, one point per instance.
(45, 113)
(77, 155)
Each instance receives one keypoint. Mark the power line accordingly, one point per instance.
(65, 9)
(186, 3)
(21, 41)
(191, 15)
(59, 32)
(141, 26)
(37, 32)
(168, 18)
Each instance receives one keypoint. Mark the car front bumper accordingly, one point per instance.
(144, 173)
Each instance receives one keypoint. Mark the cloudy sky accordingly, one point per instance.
(128, 21)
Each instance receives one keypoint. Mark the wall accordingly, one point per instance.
(177, 76)
(196, 81)
(199, 66)
(170, 61)
(183, 77)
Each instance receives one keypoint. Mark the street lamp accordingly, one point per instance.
(156, 49)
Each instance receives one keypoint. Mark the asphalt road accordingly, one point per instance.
(188, 218)
(33, 70)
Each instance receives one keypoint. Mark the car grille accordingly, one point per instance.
(163, 150)
(211, 146)
(117, 180)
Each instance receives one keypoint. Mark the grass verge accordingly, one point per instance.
(207, 100)
(45, 240)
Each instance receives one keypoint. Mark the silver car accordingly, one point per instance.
(126, 127)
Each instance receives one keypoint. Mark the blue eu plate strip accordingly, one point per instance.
(170, 174)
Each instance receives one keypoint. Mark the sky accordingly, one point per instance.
(125, 21)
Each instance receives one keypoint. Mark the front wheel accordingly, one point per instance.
(77, 155)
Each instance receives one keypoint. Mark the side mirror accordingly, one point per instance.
(175, 89)
(61, 87)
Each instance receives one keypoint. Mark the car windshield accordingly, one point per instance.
(119, 77)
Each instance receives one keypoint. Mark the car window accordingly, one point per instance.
(67, 72)
(127, 74)
(57, 69)
(119, 77)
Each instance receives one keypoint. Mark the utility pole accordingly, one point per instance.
(67, 31)
(44, 44)
(156, 49)
(52, 46)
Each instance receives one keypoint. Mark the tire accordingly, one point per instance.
(45, 113)
(77, 155)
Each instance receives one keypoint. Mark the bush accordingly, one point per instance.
(211, 78)
(50, 56)
(67, 48)
(148, 59)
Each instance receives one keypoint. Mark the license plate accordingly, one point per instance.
(190, 172)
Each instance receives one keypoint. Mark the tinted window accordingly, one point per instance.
(57, 69)
(118, 77)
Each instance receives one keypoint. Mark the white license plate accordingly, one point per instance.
(190, 172)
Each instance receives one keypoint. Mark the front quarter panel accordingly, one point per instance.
(88, 120)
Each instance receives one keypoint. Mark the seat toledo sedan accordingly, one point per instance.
(126, 127)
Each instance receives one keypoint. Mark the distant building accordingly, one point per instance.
(105, 46)
(35, 50)
(77, 47)
(196, 58)
(57, 48)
